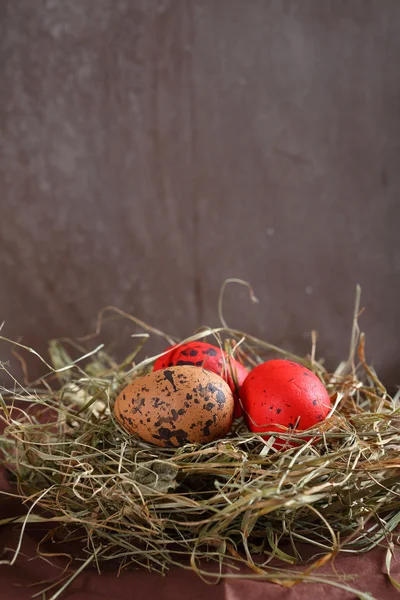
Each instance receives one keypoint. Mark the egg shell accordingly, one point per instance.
(176, 406)
(212, 358)
(285, 393)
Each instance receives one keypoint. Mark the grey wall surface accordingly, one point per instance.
(149, 150)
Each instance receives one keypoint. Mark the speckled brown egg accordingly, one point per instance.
(176, 406)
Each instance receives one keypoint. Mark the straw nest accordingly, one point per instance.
(233, 502)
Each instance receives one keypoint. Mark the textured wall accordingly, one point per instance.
(151, 149)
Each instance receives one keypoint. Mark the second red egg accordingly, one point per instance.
(282, 392)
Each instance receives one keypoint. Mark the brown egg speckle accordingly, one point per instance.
(176, 406)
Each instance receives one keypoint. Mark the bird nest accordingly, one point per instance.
(215, 508)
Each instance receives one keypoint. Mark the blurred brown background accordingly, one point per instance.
(151, 149)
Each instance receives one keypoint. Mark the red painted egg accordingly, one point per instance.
(212, 358)
(282, 392)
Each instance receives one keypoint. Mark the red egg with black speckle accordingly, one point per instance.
(212, 358)
(282, 392)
